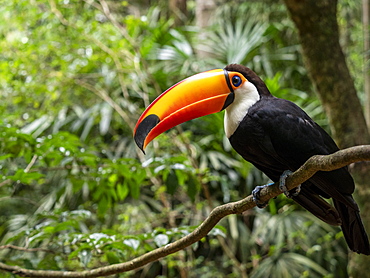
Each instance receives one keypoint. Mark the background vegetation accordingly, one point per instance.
(75, 191)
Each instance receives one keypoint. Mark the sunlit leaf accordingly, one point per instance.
(161, 240)
(133, 243)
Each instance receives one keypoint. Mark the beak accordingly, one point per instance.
(199, 95)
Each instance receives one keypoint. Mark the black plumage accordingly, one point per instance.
(276, 135)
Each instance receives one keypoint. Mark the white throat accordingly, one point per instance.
(245, 97)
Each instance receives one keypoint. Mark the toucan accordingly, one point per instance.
(273, 134)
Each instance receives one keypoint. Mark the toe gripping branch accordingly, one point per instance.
(256, 195)
(292, 193)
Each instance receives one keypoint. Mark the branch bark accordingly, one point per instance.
(306, 171)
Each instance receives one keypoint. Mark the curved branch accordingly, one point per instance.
(306, 171)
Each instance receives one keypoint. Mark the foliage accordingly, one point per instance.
(75, 76)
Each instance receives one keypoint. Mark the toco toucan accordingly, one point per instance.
(273, 134)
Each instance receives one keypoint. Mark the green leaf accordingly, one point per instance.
(134, 190)
(2, 157)
(172, 183)
(192, 188)
(112, 257)
(26, 177)
(113, 178)
(122, 191)
(103, 204)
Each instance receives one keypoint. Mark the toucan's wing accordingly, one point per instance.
(287, 137)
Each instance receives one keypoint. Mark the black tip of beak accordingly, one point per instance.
(230, 99)
(143, 130)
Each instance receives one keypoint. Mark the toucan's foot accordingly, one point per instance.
(292, 193)
(256, 195)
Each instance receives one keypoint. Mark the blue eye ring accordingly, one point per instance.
(236, 80)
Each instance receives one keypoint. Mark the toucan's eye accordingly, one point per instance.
(236, 80)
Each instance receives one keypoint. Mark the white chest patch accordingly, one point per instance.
(245, 96)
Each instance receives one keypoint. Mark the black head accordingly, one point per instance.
(252, 77)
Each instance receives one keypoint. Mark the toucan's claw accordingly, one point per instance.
(256, 195)
(292, 193)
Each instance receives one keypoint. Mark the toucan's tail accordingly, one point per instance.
(353, 229)
(312, 202)
(348, 217)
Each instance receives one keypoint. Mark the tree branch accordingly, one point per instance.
(306, 171)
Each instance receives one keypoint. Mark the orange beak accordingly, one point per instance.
(199, 95)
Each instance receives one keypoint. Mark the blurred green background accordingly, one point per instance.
(75, 77)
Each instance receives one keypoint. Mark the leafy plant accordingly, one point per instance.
(75, 191)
